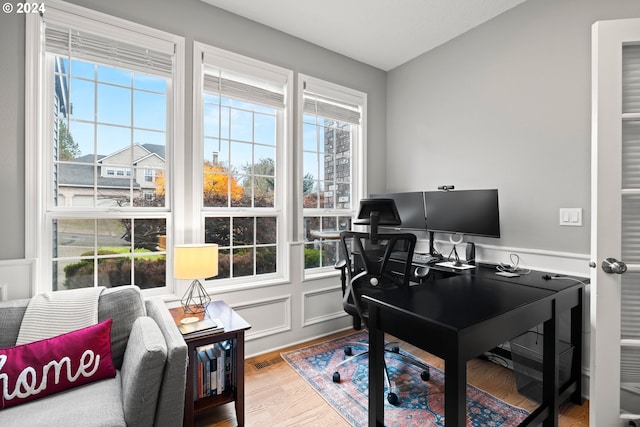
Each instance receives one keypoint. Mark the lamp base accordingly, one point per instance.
(195, 299)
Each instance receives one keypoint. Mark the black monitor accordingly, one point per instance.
(410, 207)
(471, 212)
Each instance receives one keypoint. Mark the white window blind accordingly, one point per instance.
(235, 88)
(82, 44)
(242, 78)
(630, 221)
(330, 108)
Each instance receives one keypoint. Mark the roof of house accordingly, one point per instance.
(80, 171)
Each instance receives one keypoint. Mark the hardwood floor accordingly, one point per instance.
(275, 395)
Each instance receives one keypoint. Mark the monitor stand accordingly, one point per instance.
(432, 249)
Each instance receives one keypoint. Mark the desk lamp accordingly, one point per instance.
(196, 261)
(375, 212)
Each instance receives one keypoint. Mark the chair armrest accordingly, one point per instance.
(170, 410)
(342, 266)
(142, 367)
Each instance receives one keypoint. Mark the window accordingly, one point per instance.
(107, 117)
(332, 157)
(243, 112)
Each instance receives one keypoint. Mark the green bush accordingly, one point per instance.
(311, 258)
(150, 271)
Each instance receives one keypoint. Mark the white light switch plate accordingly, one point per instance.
(571, 217)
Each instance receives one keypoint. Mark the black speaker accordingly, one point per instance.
(471, 253)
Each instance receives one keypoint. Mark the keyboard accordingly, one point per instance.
(417, 258)
(422, 258)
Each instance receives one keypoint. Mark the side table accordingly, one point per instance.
(234, 328)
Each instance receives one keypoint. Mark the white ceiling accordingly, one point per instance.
(381, 33)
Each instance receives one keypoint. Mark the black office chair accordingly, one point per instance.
(366, 270)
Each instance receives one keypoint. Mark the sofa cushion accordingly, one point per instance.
(124, 304)
(34, 370)
(11, 313)
(98, 404)
(142, 371)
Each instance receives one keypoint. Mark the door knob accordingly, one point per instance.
(613, 266)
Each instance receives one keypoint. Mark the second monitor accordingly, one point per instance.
(411, 208)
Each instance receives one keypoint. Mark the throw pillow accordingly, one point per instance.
(34, 370)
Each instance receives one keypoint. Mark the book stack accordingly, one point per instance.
(212, 375)
(205, 326)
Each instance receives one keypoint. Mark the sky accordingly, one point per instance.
(101, 122)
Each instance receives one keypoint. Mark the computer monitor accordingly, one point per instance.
(469, 212)
(410, 206)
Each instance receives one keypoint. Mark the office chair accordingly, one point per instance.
(366, 270)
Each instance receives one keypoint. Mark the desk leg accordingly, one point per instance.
(550, 368)
(239, 362)
(577, 322)
(455, 391)
(376, 370)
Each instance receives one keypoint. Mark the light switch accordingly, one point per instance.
(571, 217)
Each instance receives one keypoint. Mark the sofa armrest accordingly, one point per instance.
(170, 409)
(142, 368)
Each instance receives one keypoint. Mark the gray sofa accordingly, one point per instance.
(150, 357)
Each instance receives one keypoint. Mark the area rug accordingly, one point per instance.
(421, 403)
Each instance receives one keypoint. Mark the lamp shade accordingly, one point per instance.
(197, 261)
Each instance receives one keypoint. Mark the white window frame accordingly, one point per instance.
(38, 246)
(358, 157)
(204, 54)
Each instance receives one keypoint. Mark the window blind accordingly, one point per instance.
(81, 44)
(331, 108)
(247, 91)
(630, 220)
(631, 79)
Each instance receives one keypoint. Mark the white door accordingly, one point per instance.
(614, 390)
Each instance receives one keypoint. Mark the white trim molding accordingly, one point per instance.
(252, 311)
(307, 298)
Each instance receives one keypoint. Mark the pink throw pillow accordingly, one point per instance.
(34, 370)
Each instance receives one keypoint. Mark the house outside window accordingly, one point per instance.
(332, 162)
(107, 116)
(243, 114)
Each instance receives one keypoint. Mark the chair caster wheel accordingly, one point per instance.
(395, 349)
(393, 398)
(348, 351)
(336, 377)
(425, 375)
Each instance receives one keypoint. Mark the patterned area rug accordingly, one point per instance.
(421, 403)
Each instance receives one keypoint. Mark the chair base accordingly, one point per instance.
(390, 347)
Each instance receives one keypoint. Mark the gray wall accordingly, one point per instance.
(12, 136)
(508, 106)
(195, 21)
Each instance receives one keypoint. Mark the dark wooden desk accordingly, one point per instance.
(460, 317)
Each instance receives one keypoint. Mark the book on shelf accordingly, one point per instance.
(213, 371)
(212, 375)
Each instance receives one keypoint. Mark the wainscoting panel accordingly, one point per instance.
(267, 316)
(16, 278)
(321, 305)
